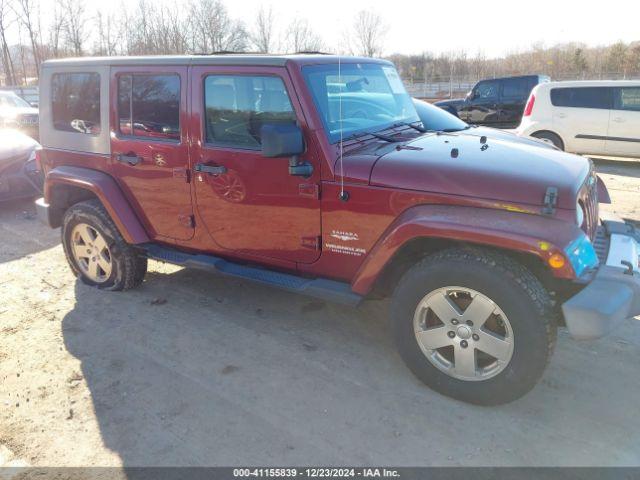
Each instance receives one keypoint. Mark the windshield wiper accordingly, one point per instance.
(451, 130)
(415, 127)
(386, 138)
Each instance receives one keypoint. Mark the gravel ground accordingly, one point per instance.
(194, 369)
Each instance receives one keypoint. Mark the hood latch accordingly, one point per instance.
(550, 201)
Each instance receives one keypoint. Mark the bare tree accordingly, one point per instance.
(74, 25)
(7, 62)
(369, 31)
(55, 30)
(264, 40)
(27, 13)
(212, 30)
(108, 38)
(302, 38)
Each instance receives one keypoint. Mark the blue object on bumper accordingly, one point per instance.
(582, 255)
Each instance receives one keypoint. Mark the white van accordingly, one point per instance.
(589, 117)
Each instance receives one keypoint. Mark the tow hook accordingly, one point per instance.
(629, 265)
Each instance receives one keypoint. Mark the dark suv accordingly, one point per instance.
(497, 102)
(314, 173)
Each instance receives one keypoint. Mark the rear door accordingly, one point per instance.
(581, 116)
(515, 92)
(253, 205)
(624, 125)
(149, 148)
(482, 107)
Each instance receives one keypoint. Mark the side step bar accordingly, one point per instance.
(324, 289)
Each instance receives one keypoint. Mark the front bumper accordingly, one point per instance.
(613, 294)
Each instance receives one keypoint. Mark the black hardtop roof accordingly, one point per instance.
(252, 59)
(514, 77)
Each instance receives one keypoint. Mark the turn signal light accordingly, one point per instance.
(556, 261)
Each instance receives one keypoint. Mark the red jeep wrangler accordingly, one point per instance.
(314, 173)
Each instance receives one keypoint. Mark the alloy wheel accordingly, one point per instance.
(463, 333)
(91, 253)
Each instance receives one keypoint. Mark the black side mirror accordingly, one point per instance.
(285, 140)
(281, 140)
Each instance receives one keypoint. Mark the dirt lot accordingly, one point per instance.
(194, 369)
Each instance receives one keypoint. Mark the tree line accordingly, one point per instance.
(68, 28)
(571, 61)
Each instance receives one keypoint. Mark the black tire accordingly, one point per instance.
(516, 291)
(552, 137)
(128, 265)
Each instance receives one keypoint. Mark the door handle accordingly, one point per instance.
(562, 115)
(130, 158)
(618, 120)
(210, 169)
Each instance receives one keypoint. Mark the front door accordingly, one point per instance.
(482, 106)
(624, 123)
(149, 147)
(250, 204)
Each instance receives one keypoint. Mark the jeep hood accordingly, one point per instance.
(504, 171)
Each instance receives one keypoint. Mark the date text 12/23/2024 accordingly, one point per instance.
(315, 473)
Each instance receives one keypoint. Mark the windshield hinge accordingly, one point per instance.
(550, 201)
(312, 243)
(183, 173)
(309, 190)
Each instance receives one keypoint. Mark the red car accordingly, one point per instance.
(315, 174)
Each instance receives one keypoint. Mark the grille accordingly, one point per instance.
(589, 201)
(27, 120)
(601, 244)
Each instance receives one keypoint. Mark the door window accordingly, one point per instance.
(149, 106)
(486, 91)
(76, 102)
(582, 97)
(237, 106)
(628, 98)
(515, 88)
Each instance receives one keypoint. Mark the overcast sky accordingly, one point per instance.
(494, 27)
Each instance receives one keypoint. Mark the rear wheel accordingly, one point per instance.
(474, 325)
(551, 137)
(95, 250)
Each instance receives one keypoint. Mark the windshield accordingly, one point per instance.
(12, 100)
(435, 118)
(373, 98)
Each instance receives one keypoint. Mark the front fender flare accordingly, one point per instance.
(106, 189)
(508, 230)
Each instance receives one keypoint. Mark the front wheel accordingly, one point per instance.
(474, 325)
(551, 138)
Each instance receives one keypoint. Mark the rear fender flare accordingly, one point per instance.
(514, 231)
(105, 188)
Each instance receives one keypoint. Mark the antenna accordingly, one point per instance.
(344, 196)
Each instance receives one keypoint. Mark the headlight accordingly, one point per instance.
(579, 213)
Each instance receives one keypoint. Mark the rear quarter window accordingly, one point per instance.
(582, 97)
(75, 102)
(628, 98)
